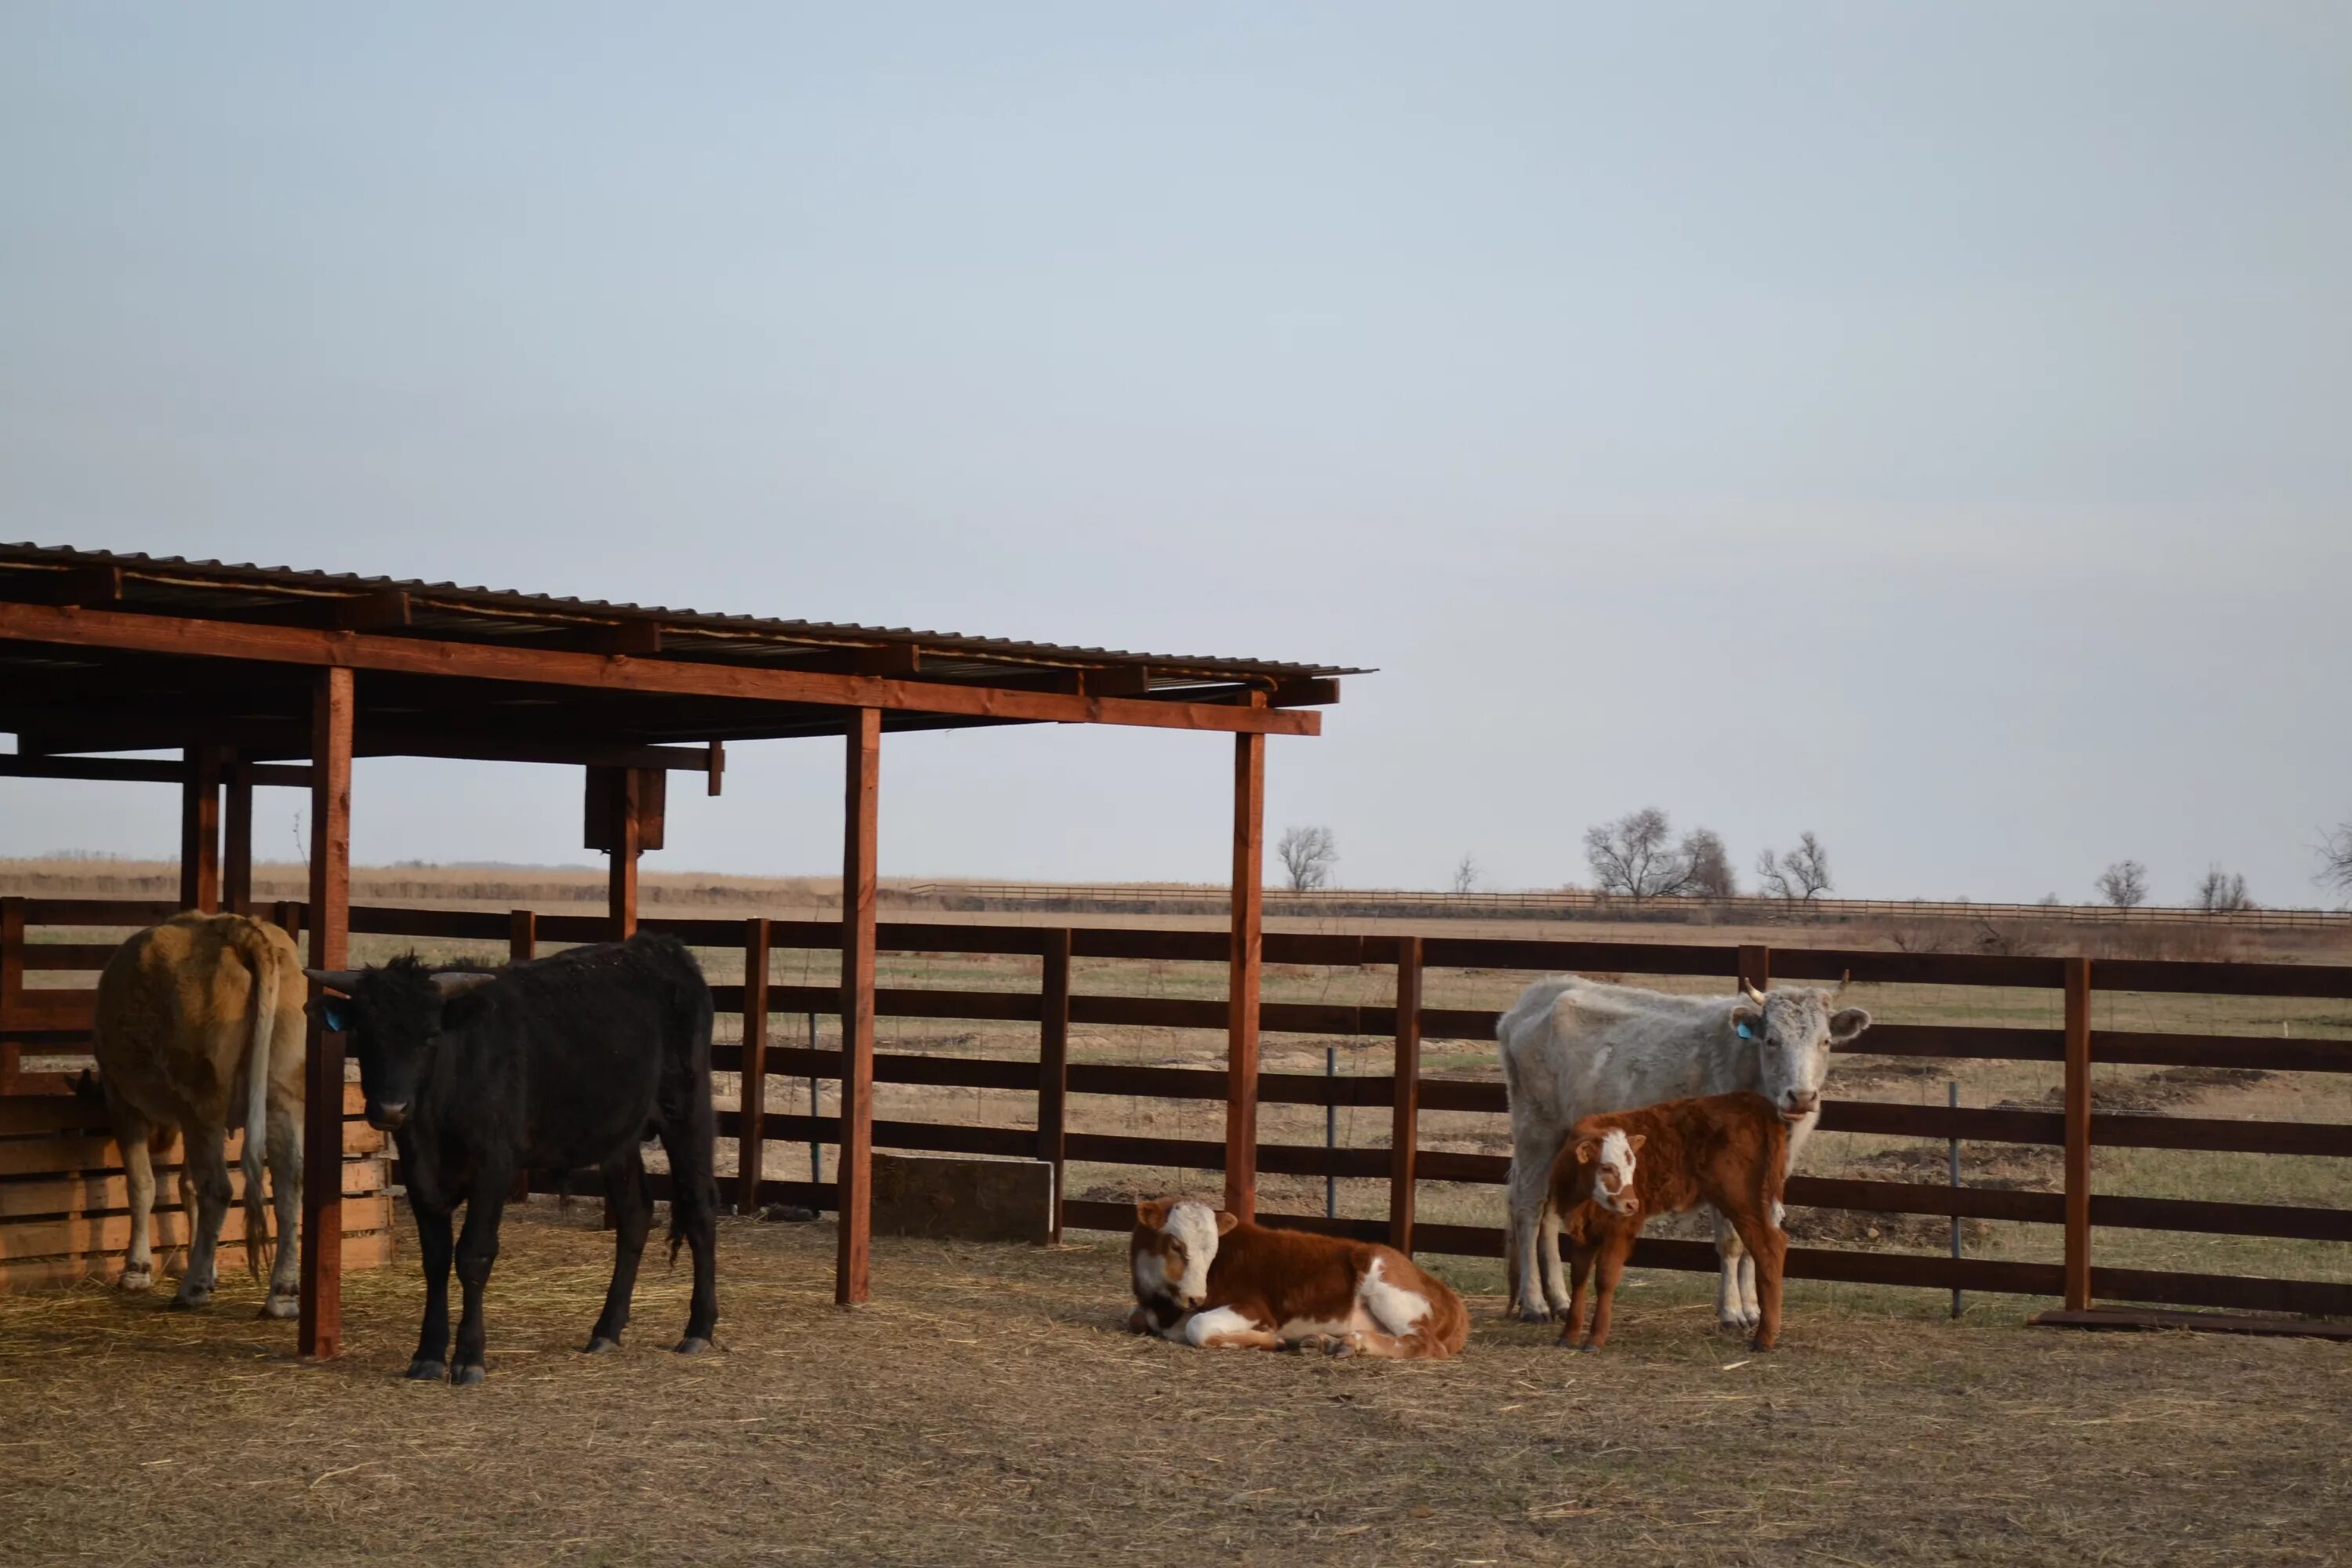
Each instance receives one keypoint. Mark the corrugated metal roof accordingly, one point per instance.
(725, 637)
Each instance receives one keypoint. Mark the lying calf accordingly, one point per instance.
(1209, 1278)
(1730, 1151)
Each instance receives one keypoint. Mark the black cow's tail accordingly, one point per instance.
(694, 1191)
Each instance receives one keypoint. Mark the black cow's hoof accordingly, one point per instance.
(423, 1371)
(693, 1344)
(467, 1376)
(599, 1346)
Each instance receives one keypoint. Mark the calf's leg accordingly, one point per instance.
(478, 1249)
(1580, 1257)
(285, 1157)
(1230, 1328)
(1609, 1267)
(633, 1214)
(1768, 1245)
(1733, 1291)
(431, 1362)
(207, 1168)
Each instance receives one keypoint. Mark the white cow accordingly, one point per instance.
(1574, 1047)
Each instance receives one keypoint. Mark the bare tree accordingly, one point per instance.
(2222, 891)
(1465, 874)
(1307, 855)
(2124, 884)
(1710, 866)
(1799, 875)
(2049, 900)
(1632, 857)
(2336, 859)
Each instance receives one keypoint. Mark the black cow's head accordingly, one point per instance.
(392, 1015)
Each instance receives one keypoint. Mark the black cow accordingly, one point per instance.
(561, 1063)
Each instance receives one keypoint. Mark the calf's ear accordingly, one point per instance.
(1225, 1222)
(1633, 1141)
(1585, 1148)
(1846, 1023)
(1152, 1213)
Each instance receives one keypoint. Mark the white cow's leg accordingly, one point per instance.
(208, 1171)
(286, 1198)
(131, 1130)
(1731, 1308)
(1555, 1275)
(1531, 1175)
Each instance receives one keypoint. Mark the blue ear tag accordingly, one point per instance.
(330, 1016)
(1746, 1031)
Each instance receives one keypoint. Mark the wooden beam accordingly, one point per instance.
(621, 845)
(139, 770)
(716, 770)
(200, 829)
(2078, 1133)
(74, 585)
(1405, 1116)
(861, 800)
(1054, 1065)
(751, 1097)
(237, 837)
(1300, 692)
(329, 917)
(1246, 951)
(418, 655)
(1116, 680)
(382, 609)
(288, 737)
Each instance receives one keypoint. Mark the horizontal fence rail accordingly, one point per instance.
(56, 1018)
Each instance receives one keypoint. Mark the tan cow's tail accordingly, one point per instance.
(262, 959)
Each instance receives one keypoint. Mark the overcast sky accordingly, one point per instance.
(1926, 426)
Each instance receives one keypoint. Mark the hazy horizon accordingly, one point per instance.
(1921, 427)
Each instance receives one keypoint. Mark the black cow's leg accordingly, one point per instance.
(694, 1213)
(633, 1215)
(477, 1248)
(433, 1246)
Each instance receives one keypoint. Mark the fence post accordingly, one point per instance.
(1054, 1062)
(1404, 1119)
(286, 914)
(12, 982)
(751, 1102)
(2078, 1135)
(1755, 967)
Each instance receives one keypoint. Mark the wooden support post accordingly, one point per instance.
(1247, 950)
(237, 833)
(752, 1101)
(199, 830)
(1054, 1062)
(522, 946)
(622, 830)
(321, 1329)
(1755, 967)
(287, 916)
(1404, 1119)
(854, 1176)
(12, 984)
(2078, 1133)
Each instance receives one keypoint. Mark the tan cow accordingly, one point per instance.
(200, 1024)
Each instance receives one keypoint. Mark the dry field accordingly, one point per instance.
(987, 1408)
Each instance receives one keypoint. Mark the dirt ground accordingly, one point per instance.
(987, 1408)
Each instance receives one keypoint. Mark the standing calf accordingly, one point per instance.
(556, 1064)
(1730, 1151)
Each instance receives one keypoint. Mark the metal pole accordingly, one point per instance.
(816, 1154)
(1330, 1132)
(1952, 1099)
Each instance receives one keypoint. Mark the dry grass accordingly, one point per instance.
(987, 1409)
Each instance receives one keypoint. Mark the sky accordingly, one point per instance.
(1926, 426)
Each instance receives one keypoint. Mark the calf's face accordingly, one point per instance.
(1610, 1155)
(1792, 1035)
(1173, 1245)
(391, 1016)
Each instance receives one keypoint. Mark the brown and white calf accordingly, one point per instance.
(1212, 1279)
(1727, 1150)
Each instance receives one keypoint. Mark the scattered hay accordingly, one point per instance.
(987, 1409)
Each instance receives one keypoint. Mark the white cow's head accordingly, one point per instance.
(1610, 1155)
(1173, 1245)
(1790, 1032)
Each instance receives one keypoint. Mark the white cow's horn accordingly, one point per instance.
(1751, 994)
(1843, 981)
(456, 982)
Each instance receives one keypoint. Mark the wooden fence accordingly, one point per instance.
(1406, 1093)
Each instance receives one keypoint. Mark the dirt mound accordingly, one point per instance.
(2005, 1167)
(2159, 1090)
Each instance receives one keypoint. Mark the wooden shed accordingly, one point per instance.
(264, 677)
